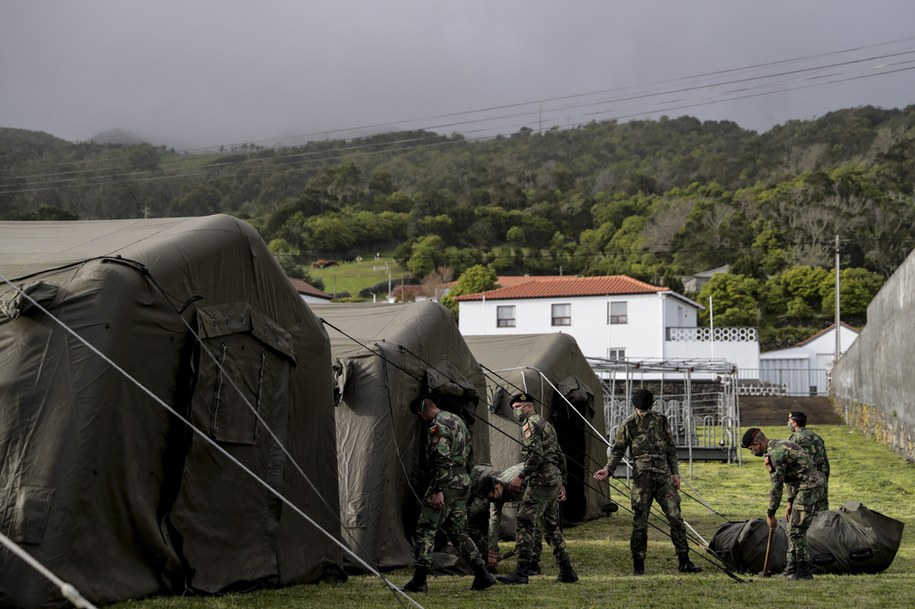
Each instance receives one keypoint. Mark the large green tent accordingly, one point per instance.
(552, 369)
(384, 356)
(104, 486)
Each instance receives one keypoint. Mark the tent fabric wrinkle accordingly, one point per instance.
(131, 492)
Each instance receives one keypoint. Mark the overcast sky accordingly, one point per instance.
(204, 73)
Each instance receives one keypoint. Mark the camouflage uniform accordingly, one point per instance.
(815, 448)
(790, 466)
(544, 472)
(449, 460)
(654, 461)
(484, 516)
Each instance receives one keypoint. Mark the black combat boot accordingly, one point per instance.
(482, 578)
(533, 568)
(418, 583)
(804, 570)
(790, 569)
(687, 566)
(638, 566)
(519, 576)
(567, 574)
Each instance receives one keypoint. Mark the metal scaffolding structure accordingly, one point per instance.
(698, 396)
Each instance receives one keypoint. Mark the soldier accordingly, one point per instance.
(815, 448)
(790, 466)
(544, 472)
(445, 502)
(489, 494)
(656, 477)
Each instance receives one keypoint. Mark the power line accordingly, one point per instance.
(610, 114)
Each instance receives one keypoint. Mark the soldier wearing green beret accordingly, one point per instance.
(445, 502)
(815, 448)
(544, 472)
(656, 477)
(789, 466)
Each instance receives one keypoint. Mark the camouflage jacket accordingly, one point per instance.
(544, 461)
(449, 453)
(649, 441)
(508, 496)
(814, 446)
(788, 465)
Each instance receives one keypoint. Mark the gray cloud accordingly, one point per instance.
(211, 72)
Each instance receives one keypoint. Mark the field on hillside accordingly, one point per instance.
(861, 471)
(350, 276)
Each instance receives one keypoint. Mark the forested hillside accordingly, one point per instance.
(657, 200)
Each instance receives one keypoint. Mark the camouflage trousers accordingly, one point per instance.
(823, 503)
(478, 527)
(646, 488)
(452, 520)
(803, 508)
(539, 506)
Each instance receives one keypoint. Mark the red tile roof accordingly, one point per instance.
(560, 287)
(507, 281)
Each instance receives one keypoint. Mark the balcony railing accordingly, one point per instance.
(702, 334)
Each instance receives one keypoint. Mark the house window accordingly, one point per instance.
(616, 353)
(616, 313)
(562, 314)
(505, 317)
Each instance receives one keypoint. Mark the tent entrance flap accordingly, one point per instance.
(250, 366)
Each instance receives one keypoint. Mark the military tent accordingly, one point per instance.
(102, 484)
(384, 356)
(850, 540)
(553, 370)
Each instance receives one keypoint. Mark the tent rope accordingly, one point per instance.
(68, 591)
(202, 435)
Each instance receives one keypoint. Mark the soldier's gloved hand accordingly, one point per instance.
(492, 558)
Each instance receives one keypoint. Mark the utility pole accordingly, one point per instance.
(838, 317)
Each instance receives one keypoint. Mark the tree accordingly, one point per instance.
(474, 280)
(426, 255)
(734, 299)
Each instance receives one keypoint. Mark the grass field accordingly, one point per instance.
(351, 276)
(861, 471)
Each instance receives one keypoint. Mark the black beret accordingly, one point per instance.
(643, 399)
(521, 398)
(748, 436)
(799, 417)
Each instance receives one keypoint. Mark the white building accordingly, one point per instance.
(611, 317)
(803, 369)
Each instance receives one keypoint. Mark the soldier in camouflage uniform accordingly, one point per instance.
(815, 448)
(788, 465)
(490, 490)
(544, 472)
(445, 502)
(656, 477)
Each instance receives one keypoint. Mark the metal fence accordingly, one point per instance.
(793, 382)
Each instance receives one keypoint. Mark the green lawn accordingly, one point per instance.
(351, 276)
(861, 471)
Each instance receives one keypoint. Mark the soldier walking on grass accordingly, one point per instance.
(656, 477)
(544, 472)
(445, 502)
(815, 448)
(788, 465)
